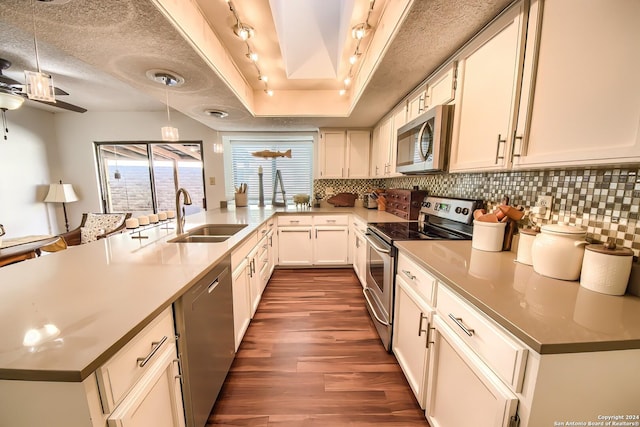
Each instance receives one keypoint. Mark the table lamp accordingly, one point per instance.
(61, 193)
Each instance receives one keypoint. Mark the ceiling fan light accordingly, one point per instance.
(170, 134)
(39, 86)
(10, 101)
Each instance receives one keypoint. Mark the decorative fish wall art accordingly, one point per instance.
(267, 154)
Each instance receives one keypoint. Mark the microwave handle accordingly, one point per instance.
(423, 156)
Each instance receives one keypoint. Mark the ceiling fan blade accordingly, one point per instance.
(8, 81)
(57, 91)
(64, 106)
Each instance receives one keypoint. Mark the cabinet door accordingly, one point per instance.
(442, 88)
(585, 109)
(358, 148)
(331, 245)
(156, 400)
(382, 146)
(333, 152)
(255, 287)
(489, 82)
(410, 331)
(295, 246)
(416, 104)
(241, 301)
(461, 390)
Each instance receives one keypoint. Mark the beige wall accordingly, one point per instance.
(45, 147)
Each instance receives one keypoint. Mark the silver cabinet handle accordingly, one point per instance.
(500, 141)
(155, 346)
(292, 221)
(331, 220)
(513, 146)
(409, 275)
(420, 330)
(458, 321)
(264, 231)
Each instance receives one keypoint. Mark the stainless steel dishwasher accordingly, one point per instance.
(204, 321)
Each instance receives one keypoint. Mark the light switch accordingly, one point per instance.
(212, 180)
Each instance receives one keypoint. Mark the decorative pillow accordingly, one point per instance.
(106, 222)
(89, 234)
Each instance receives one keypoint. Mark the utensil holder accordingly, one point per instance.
(241, 200)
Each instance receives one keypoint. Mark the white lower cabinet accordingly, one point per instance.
(241, 301)
(462, 390)
(306, 240)
(156, 400)
(330, 246)
(295, 246)
(412, 320)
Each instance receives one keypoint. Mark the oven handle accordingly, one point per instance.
(376, 247)
(373, 308)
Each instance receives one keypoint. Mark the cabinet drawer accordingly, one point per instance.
(331, 220)
(295, 220)
(123, 370)
(502, 353)
(238, 255)
(421, 281)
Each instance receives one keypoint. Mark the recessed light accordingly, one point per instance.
(218, 114)
(165, 77)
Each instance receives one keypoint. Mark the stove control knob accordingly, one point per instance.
(458, 210)
(427, 204)
(465, 211)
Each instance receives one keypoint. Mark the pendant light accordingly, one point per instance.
(169, 133)
(117, 175)
(38, 85)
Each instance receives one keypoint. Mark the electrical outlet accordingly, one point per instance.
(545, 202)
(212, 180)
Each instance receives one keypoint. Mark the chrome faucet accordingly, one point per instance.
(180, 215)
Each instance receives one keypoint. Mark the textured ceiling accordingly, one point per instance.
(100, 52)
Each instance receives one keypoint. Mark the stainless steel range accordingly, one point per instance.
(441, 218)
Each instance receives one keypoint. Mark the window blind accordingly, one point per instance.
(296, 172)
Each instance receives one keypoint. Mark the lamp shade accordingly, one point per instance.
(10, 101)
(61, 193)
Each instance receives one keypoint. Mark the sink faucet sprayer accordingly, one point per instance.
(180, 214)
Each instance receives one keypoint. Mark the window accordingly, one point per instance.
(143, 177)
(296, 172)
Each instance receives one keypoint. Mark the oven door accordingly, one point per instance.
(378, 291)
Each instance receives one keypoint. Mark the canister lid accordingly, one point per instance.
(609, 249)
(563, 229)
(530, 231)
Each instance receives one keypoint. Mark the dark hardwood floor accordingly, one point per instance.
(311, 357)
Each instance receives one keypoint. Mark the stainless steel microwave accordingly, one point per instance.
(422, 144)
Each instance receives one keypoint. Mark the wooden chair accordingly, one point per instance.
(96, 226)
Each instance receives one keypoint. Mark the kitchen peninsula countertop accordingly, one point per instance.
(99, 295)
(550, 316)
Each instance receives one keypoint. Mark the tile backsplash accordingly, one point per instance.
(605, 200)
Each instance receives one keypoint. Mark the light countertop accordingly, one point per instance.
(550, 316)
(99, 295)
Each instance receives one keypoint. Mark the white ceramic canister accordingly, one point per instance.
(558, 250)
(606, 269)
(527, 236)
(488, 236)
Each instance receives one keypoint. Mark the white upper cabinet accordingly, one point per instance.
(441, 89)
(585, 94)
(332, 154)
(358, 151)
(382, 148)
(345, 153)
(489, 71)
(417, 103)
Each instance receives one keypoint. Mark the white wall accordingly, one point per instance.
(77, 132)
(26, 159)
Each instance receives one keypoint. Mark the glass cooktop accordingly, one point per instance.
(413, 230)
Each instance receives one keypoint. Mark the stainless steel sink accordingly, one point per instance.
(209, 233)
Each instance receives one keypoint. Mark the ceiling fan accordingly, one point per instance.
(14, 87)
